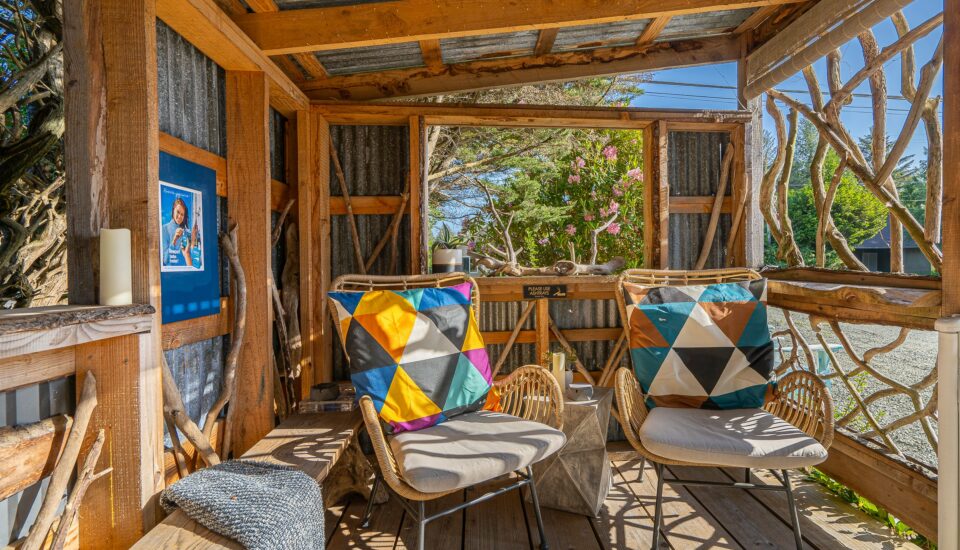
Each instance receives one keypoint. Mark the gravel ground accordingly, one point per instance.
(908, 364)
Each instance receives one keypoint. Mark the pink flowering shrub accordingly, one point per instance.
(568, 198)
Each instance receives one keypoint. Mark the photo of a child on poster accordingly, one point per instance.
(181, 233)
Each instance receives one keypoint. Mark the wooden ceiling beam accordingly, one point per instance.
(653, 30)
(311, 64)
(432, 56)
(754, 20)
(545, 41)
(263, 5)
(372, 24)
(539, 116)
(479, 75)
(206, 26)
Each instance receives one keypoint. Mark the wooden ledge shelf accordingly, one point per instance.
(41, 329)
(882, 305)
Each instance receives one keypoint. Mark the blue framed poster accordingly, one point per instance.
(189, 251)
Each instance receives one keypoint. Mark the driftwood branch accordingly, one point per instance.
(86, 477)
(391, 233)
(176, 412)
(65, 465)
(717, 205)
(230, 245)
(351, 220)
(278, 230)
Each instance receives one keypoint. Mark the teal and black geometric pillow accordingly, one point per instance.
(703, 346)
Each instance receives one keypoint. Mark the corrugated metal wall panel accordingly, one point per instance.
(23, 406)
(695, 160)
(374, 161)
(191, 93)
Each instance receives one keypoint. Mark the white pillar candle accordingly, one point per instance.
(559, 370)
(116, 278)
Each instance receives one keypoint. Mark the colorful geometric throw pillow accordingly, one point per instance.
(417, 353)
(703, 347)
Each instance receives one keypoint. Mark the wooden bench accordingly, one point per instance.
(312, 442)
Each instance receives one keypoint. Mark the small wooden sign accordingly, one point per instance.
(539, 292)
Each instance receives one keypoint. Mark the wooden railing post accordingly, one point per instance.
(949, 418)
(112, 168)
(248, 203)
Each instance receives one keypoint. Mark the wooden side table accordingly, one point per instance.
(577, 478)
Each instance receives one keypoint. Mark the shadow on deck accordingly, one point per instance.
(693, 518)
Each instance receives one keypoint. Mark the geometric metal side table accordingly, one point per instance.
(577, 478)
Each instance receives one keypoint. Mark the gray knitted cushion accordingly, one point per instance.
(260, 505)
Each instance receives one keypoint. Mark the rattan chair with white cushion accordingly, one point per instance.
(793, 430)
(469, 449)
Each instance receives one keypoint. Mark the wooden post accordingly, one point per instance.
(951, 160)
(418, 196)
(308, 220)
(543, 331)
(313, 191)
(948, 363)
(660, 187)
(324, 372)
(112, 164)
(649, 203)
(248, 204)
(751, 240)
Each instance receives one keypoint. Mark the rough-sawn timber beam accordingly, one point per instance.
(479, 75)
(372, 24)
(206, 26)
(518, 116)
(825, 27)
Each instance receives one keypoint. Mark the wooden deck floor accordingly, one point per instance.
(694, 518)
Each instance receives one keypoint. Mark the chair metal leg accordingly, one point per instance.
(746, 475)
(373, 494)
(794, 515)
(422, 527)
(536, 509)
(643, 466)
(658, 516)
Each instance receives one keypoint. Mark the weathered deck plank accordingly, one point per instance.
(686, 523)
(737, 510)
(826, 520)
(697, 518)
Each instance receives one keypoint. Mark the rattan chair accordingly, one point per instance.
(529, 392)
(802, 400)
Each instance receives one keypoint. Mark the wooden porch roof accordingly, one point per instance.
(372, 49)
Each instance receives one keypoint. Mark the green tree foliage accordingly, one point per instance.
(857, 213)
(526, 172)
(568, 199)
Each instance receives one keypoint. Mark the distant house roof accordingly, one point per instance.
(881, 241)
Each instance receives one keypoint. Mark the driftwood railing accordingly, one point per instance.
(820, 307)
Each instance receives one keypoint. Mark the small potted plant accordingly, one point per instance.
(447, 256)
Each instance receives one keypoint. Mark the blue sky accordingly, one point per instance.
(856, 116)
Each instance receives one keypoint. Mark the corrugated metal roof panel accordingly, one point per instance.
(702, 25)
(620, 33)
(491, 46)
(371, 58)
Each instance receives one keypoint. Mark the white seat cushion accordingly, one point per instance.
(745, 438)
(470, 449)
